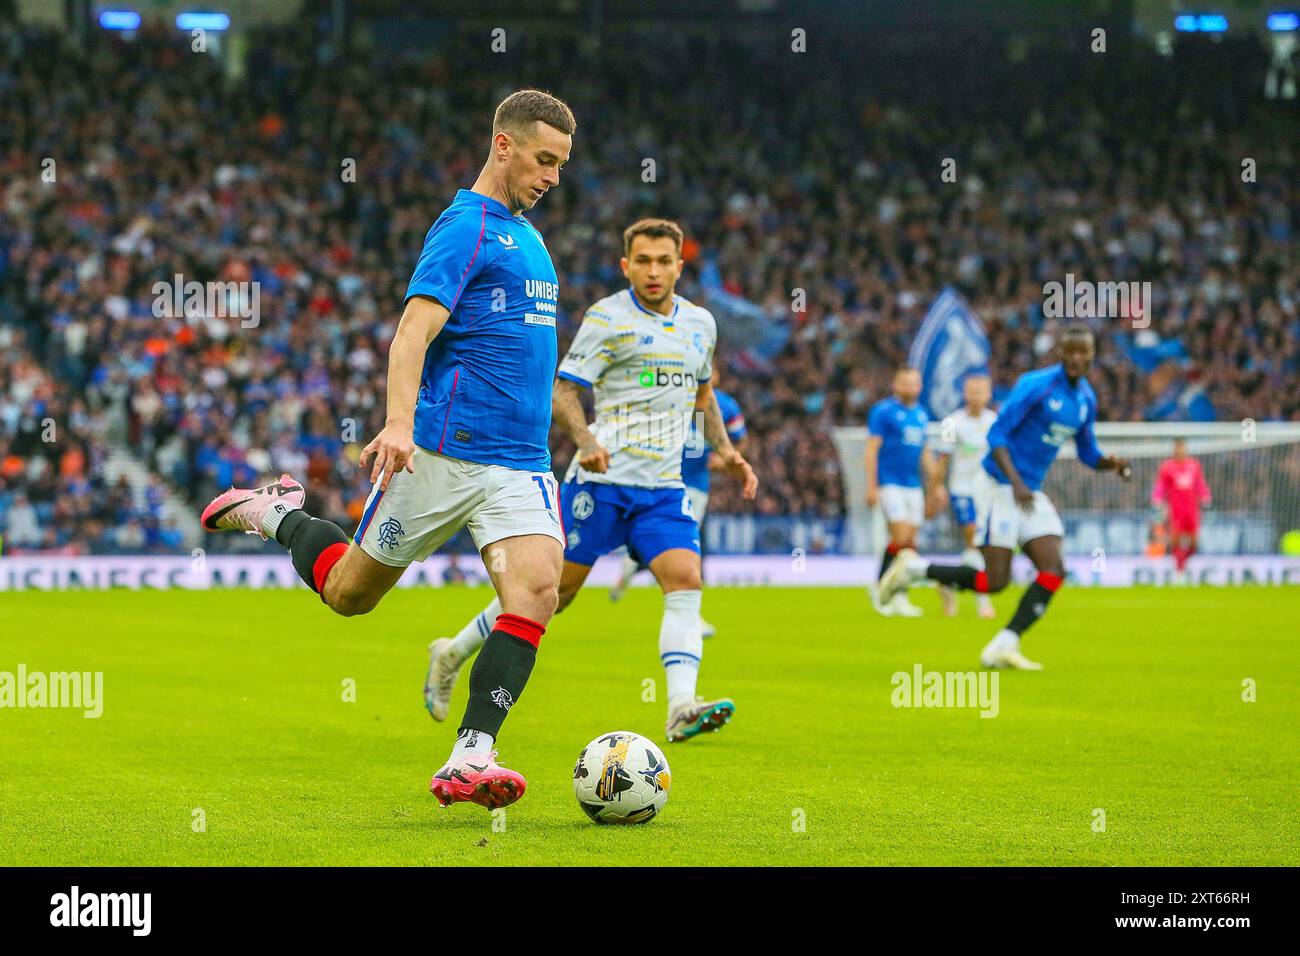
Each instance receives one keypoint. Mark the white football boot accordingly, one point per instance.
(444, 668)
(1004, 652)
(907, 569)
(903, 607)
(884, 610)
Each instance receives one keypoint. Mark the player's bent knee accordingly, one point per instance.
(997, 581)
(538, 600)
(350, 605)
(685, 581)
(349, 601)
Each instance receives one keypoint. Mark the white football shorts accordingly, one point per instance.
(1007, 526)
(421, 511)
(904, 504)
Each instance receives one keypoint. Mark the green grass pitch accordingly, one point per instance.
(231, 702)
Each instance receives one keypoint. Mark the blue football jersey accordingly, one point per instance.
(901, 429)
(1041, 414)
(695, 457)
(485, 392)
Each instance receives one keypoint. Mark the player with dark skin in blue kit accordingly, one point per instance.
(1047, 408)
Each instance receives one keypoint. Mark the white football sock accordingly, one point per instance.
(272, 517)
(473, 634)
(629, 569)
(471, 742)
(681, 646)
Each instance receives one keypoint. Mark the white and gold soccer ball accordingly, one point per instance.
(621, 777)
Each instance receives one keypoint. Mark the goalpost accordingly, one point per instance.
(1252, 468)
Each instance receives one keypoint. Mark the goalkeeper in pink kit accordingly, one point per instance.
(1181, 492)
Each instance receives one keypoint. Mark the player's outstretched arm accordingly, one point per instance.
(1117, 465)
(393, 447)
(1085, 443)
(1159, 497)
(566, 409)
(936, 494)
(1023, 494)
(870, 462)
(715, 435)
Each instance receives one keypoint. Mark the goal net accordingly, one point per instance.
(1252, 468)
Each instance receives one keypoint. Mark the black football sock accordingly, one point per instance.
(1033, 603)
(956, 576)
(887, 560)
(314, 544)
(500, 672)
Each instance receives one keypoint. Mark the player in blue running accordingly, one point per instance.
(896, 461)
(647, 354)
(1047, 408)
(698, 461)
(465, 441)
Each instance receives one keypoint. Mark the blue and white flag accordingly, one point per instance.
(950, 345)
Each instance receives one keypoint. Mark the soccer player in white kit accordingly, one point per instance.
(964, 444)
(647, 354)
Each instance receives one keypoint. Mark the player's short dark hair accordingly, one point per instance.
(654, 229)
(521, 109)
(1078, 330)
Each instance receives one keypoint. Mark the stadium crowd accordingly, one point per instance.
(137, 161)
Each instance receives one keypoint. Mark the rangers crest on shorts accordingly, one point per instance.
(390, 529)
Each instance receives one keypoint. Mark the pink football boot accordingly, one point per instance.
(241, 509)
(479, 779)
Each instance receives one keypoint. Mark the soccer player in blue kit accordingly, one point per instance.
(1046, 408)
(896, 461)
(647, 354)
(697, 461)
(465, 440)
